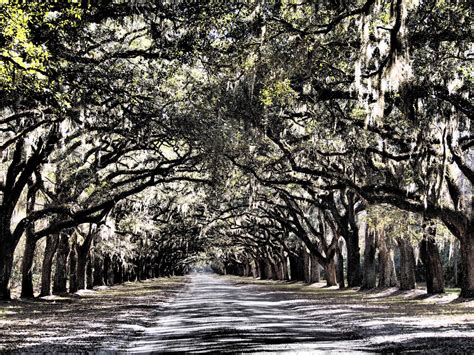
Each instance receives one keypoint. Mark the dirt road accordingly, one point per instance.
(215, 314)
(208, 313)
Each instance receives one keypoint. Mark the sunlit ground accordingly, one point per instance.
(209, 313)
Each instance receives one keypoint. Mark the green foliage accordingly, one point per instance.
(278, 92)
(24, 57)
(395, 223)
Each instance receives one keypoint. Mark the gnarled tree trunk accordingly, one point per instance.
(30, 245)
(297, 268)
(73, 268)
(315, 270)
(83, 257)
(429, 255)
(98, 271)
(284, 266)
(7, 249)
(387, 274)
(27, 267)
(307, 266)
(60, 273)
(407, 265)
(467, 265)
(370, 274)
(268, 269)
(90, 272)
(330, 272)
(81, 269)
(340, 267)
(51, 245)
(354, 272)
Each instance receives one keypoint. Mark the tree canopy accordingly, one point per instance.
(245, 134)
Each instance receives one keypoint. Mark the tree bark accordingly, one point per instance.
(27, 267)
(455, 262)
(407, 265)
(7, 249)
(90, 272)
(340, 267)
(262, 269)
(429, 255)
(82, 258)
(387, 274)
(307, 266)
(268, 269)
(354, 272)
(315, 269)
(370, 275)
(257, 269)
(73, 268)
(467, 265)
(118, 270)
(81, 268)
(330, 272)
(30, 245)
(98, 271)
(284, 266)
(51, 246)
(106, 267)
(297, 268)
(60, 273)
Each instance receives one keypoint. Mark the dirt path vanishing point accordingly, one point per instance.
(210, 313)
(214, 314)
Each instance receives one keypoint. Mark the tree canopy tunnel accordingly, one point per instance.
(284, 141)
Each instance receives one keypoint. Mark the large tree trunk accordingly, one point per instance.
(340, 267)
(455, 261)
(118, 270)
(7, 249)
(51, 245)
(330, 272)
(246, 269)
(467, 265)
(297, 268)
(60, 273)
(89, 276)
(284, 266)
(90, 272)
(81, 269)
(262, 269)
(106, 268)
(315, 269)
(257, 269)
(429, 255)
(27, 267)
(370, 274)
(82, 258)
(407, 265)
(278, 268)
(354, 272)
(98, 271)
(30, 246)
(268, 269)
(387, 274)
(307, 266)
(73, 268)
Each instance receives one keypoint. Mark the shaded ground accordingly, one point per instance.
(108, 318)
(204, 313)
